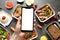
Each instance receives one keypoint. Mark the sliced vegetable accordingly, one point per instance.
(44, 8)
(1, 36)
(28, 35)
(46, 13)
(41, 14)
(8, 36)
(39, 26)
(1, 30)
(6, 33)
(51, 13)
(12, 28)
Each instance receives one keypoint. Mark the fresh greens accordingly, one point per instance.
(6, 33)
(28, 35)
(1, 30)
(46, 13)
(3, 34)
(1, 38)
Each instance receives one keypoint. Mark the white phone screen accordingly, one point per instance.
(27, 19)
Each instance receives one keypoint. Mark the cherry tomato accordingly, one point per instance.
(55, 17)
(3, 18)
(8, 36)
(35, 6)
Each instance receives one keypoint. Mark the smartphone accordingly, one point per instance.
(27, 18)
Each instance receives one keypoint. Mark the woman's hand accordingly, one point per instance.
(17, 35)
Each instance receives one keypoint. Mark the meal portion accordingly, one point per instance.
(44, 13)
(4, 35)
(17, 12)
(54, 31)
(30, 35)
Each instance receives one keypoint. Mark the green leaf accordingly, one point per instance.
(1, 32)
(1, 29)
(1, 36)
(46, 13)
(28, 35)
(6, 33)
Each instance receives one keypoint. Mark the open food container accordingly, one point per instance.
(5, 18)
(17, 11)
(4, 34)
(45, 13)
(53, 30)
(30, 35)
(35, 36)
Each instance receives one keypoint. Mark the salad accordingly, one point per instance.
(4, 35)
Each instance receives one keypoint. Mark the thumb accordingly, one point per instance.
(18, 25)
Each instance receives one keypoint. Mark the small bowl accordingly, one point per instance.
(9, 4)
(21, 2)
(47, 18)
(30, 3)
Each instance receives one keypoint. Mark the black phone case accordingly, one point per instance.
(33, 21)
